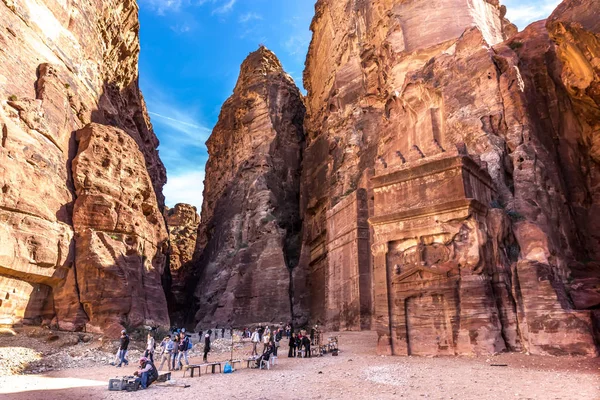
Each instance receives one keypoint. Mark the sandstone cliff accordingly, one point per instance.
(471, 150)
(248, 242)
(182, 222)
(81, 234)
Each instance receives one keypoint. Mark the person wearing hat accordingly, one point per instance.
(147, 373)
(123, 345)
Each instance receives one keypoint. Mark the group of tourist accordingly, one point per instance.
(174, 348)
(174, 351)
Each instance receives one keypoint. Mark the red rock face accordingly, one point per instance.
(493, 252)
(182, 222)
(248, 240)
(63, 67)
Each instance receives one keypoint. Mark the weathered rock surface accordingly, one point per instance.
(456, 269)
(182, 222)
(65, 65)
(248, 240)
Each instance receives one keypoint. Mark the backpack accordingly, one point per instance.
(189, 344)
(227, 368)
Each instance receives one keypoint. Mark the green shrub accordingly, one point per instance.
(13, 97)
(516, 45)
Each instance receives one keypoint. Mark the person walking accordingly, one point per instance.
(150, 345)
(166, 353)
(255, 339)
(123, 345)
(206, 346)
(292, 344)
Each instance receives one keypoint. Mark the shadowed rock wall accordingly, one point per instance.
(248, 240)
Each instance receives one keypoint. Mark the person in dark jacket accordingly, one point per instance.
(206, 346)
(266, 355)
(306, 344)
(222, 333)
(292, 352)
(123, 345)
(147, 373)
(174, 360)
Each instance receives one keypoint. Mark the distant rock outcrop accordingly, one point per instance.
(81, 243)
(182, 222)
(249, 241)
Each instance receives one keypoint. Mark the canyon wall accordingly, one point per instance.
(471, 150)
(248, 240)
(82, 240)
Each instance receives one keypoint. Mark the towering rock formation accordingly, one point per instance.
(82, 239)
(182, 222)
(248, 242)
(471, 150)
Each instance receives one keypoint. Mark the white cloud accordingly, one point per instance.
(250, 16)
(225, 7)
(523, 13)
(162, 6)
(186, 187)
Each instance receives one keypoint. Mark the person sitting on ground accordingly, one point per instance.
(167, 351)
(266, 355)
(147, 373)
(150, 345)
(292, 344)
(206, 346)
(123, 345)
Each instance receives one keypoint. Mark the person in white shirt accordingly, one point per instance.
(255, 338)
(149, 353)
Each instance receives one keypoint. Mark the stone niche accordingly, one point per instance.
(432, 293)
(349, 264)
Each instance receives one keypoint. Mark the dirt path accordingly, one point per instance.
(355, 374)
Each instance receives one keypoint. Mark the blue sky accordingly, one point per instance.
(190, 59)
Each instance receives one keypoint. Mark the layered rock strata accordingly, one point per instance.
(474, 145)
(182, 222)
(65, 65)
(248, 241)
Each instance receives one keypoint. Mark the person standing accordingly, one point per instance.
(123, 345)
(206, 346)
(222, 333)
(216, 333)
(288, 331)
(167, 352)
(175, 357)
(184, 343)
(292, 344)
(266, 340)
(255, 339)
(150, 344)
(261, 332)
(306, 343)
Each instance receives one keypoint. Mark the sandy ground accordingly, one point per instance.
(357, 373)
